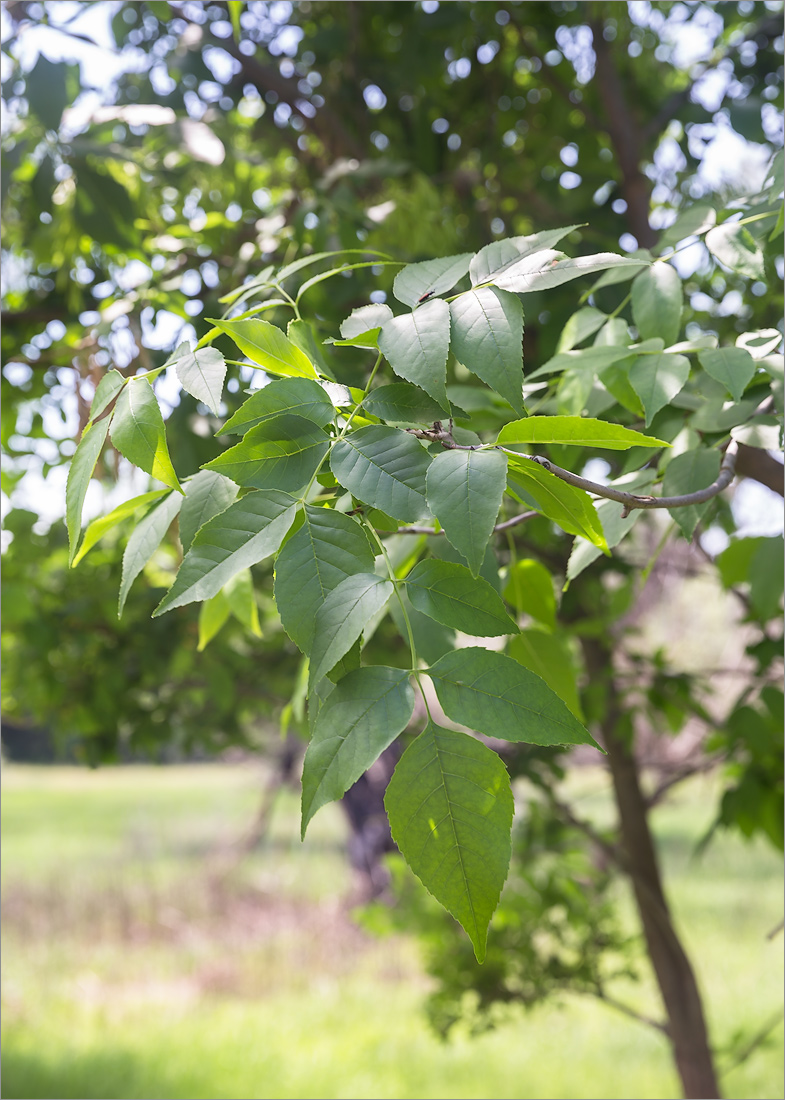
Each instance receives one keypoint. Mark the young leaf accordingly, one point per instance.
(686, 473)
(566, 505)
(201, 373)
(105, 392)
(245, 533)
(213, 614)
(366, 322)
(450, 807)
(548, 656)
(206, 494)
(79, 474)
(575, 431)
(734, 367)
(615, 525)
(487, 337)
(328, 548)
(301, 396)
(385, 468)
(402, 403)
(280, 453)
(465, 490)
(580, 326)
(734, 246)
(450, 594)
(547, 269)
(497, 257)
(240, 597)
(657, 299)
(139, 434)
(493, 694)
(529, 589)
(415, 282)
(416, 345)
(144, 541)
(96, 530)
(361, 717)
(266, 345)
(657, 379)
(342, 618)
(304, 337)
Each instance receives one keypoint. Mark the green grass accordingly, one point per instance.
(141, 961)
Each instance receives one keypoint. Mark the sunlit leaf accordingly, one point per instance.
(576, 431)
(79, 474)
(266, 345)
(487, 335)
(144, 541)
(139, 434)
(415, 282)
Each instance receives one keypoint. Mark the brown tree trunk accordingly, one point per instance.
(672, 968)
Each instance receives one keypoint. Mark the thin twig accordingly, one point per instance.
(639, 1016)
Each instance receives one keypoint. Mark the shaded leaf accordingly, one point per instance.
(529, 589)
(360, 718)
(416, 346)
(450, 594)
(487, 335)
(686, 473)
(450, 807)
(734, 246)
(579, 327)
(548, 656)
(79, 474)
(282, 453)
(657, 300)
(144, 541)
(206, 494)
(243, 534)
(366, 322)
(734, 367)
(342, 618)
(328, 548)
(301, 396)
(96, 530)
(465, 490)
(106, 391)
(571, 508)
(385, 468)
(403, 403)
(495, 695)
(657, 379)
(499, 256)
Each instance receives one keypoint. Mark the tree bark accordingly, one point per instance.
(679, 989)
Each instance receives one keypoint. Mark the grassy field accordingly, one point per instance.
(142, 960)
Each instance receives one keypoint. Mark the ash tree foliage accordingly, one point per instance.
(349, 490)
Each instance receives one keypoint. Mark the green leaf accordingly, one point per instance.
(579, 327)
(362, 326)
(499, 256)
(241, 598)
(46, 92)
(416, 346)
(342, 618)
(615, 525)
(450, 807)
(657, 300)
(304, 337)
(657, 379)
(328, 548)
(495, 695)
(235, 10)
(432, 277)
(105, 392)
(734, 367)
(450, 594)
(201, 373)
(282, 453)
(402, 403)
(206, 494)
(766, 579)
(266, 345)
(529, 589)
(301, 396)
(79, 474)
(760, 342)
(571, 508)
(361, 717)
(696, 219)
(590, 360)
(686, 473)
(764, 432)
(575, 431)
(243, 534)
(144, 541)
(139, 434)
(213, 614)
(315, 257)
(734, 562)
(385, 468)
(96, 530)
(548, 656)
(465, 490)
(547, 269)
(733, 245)
(487, 337)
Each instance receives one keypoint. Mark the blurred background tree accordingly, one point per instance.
(156, 155)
